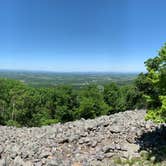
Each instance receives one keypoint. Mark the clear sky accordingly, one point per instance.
(80, 35)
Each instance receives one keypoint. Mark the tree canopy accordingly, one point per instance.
(156, 76)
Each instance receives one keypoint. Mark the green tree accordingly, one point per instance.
(92, 103)
(111, 95)
(156, 75)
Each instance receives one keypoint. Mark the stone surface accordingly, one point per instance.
(79, 143)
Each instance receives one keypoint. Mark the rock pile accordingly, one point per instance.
(79, 143)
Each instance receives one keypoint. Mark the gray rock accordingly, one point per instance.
(18, 161)
(83, 141)
(100, 157)
(52, 163)
(28, 163)
(115, 129)
(1, 149)
(86, 140)
(108, 155)
(45, 154)
(3, 162)
(94, 144)
(109, 148)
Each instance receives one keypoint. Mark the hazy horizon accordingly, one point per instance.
(49, 71)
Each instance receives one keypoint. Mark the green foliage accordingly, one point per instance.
(21, 105)
(13, 123)
(111, 94)
(121, 98)
(159, 114)
(91, 103)
(156, 77)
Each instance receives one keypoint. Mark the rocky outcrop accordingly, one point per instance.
(79, 143)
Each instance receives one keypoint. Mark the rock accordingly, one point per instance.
(131, 150)
(45, 154)
(13, 150)
(108, 155)
(76, 164)
(1, 149)
(83, 134)
(100, 157)
(149, 125)
(118, 147)
(28, 163)
(152, 159)
(2, 162)
(63, 140)
(132, 147)
(18, 161)
(52, 163)
(84, 141)
(81, 141)
(108, 148)
(115, 129)
(139, 133)
(73, 138)
(93, 144)
(38, 164)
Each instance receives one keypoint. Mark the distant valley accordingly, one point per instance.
(76, 79)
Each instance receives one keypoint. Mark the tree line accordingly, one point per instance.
(22, 105)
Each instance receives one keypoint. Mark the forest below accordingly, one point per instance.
(24, 105)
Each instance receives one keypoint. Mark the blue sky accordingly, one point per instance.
(80, 35)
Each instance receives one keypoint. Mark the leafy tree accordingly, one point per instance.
(121, 98)
(111, 95)
(156, 75)
(92, 103)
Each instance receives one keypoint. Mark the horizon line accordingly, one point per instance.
(74, 71)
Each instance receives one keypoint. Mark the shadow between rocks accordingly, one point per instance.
(154, 142)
